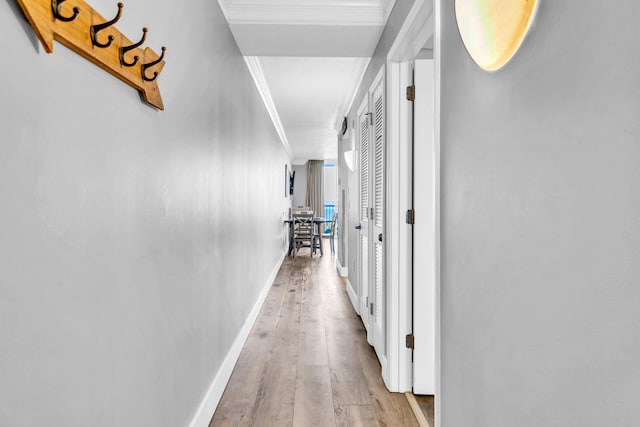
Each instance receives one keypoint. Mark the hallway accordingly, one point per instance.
(307, 361)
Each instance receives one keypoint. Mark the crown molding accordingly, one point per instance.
(310, 12)
(253, 63)
(415, 32)
(224, 5)
(388, 7)
(352, 90)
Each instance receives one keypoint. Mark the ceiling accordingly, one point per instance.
(307, 58)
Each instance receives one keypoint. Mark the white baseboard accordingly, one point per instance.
(353, 297)
(208, 406)
(342, 271)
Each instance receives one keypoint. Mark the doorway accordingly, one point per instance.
(413, 175)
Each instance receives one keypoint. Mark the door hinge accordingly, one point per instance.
(411, 216)
(370, 213)
(371, 309)
(410, 342)
(411, 93)
(370, 117)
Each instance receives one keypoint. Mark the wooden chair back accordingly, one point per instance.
(303, 231)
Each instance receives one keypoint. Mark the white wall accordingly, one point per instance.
(540, 224)
(124, 270)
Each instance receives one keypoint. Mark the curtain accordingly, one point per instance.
(315, 186)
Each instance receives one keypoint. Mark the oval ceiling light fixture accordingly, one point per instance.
(492, 30)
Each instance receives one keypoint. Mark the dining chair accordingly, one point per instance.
(303, 232)
(316, 242)
(332, 231)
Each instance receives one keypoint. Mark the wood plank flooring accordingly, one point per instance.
(426, 404)
(307, 361)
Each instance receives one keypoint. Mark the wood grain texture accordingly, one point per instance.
(389, 407)
(356, 416)
(307, 361)
(313, 403)
(427, 406)
(275, 400)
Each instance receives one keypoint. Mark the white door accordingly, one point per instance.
(371, 116)
(425, 242)
(363, 149)
(377, 290)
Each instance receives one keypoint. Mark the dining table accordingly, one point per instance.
(317, 221)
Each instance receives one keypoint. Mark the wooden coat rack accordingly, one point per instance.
(78, 26)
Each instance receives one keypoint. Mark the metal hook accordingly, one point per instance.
(55, 8)
(151, 64)
(95, 29)
(125, 49)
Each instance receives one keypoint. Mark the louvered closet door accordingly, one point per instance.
(364, 148)
(377, 289)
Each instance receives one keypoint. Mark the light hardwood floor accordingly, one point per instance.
(307, 361)
(426, 404)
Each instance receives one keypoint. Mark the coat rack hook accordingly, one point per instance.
(151, 64)
(125, 49)
(95, 29)
(55, 8)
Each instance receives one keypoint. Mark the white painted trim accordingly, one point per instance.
(405, 275)
(208, 406)
(399, 233)
(224, 4)
(424, 248)
(318, 12)
(342, 271)
(388, 8)
(392, 229)
(253, 63)
(353, 297)
(437, 49)
(414, 34)
(352, 90)
(384, 369)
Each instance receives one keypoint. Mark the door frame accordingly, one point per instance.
(424, 247)
(398, 378)
(416, 31)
